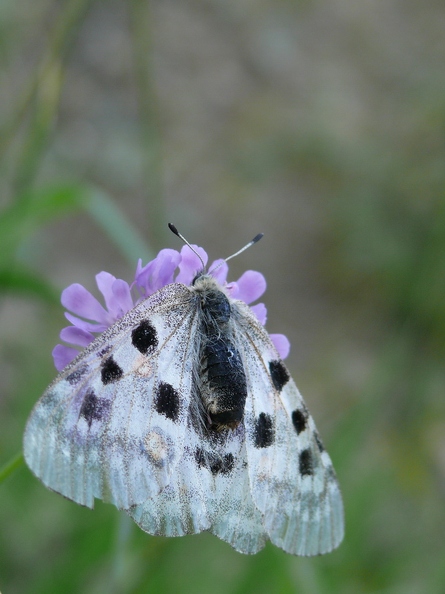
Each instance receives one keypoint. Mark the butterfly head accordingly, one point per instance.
(214, 299)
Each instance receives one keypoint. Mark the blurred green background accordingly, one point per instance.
(320, 123)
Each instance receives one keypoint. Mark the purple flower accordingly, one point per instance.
(91, 317)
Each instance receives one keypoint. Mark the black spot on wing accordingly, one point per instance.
(299, 420)
(319, 442)
(104, 351)
(306, 463)
(222, 465)
(111, 371)
(93, 408)
(216, 464)
(200, 457)
(279, 374)
(167, 401)
(144, 337)
(264, 433)
(75, 376)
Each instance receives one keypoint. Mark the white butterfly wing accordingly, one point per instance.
(182, 506)
(208, 491)
(292, 479)
(113, 423)
(235, 518)
(120, 424)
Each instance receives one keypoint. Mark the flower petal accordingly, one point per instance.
(167, 261)
(190, 264)
(80, 301)
(260, 311)
(251, 286)
(104, 281)
(88, 326)
(281, 343)
(76, 336)
(158, 273)
(119, 299)
(233, 290)
(222, 269)
(63, 355)
(122, 299)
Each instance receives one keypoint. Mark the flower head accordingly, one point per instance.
(91, 317)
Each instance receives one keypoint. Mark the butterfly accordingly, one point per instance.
(183, 414)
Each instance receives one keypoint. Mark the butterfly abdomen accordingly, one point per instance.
(223, 381)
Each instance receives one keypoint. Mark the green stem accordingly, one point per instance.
(113, 221)
(11, 466)
(152, 165)
(120, 554)
(41, 126)
(44, 87)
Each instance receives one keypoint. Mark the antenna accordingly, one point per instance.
(176, 232)
(250, 244)
(254, 240)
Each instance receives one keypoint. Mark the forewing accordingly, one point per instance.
(112, 425)
(292, 480)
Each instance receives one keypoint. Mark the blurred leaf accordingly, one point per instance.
(60, 42)
(141, 23)
(42, 120)
(11, 466)
(23, 217)
(21, 280)
(112, 220)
